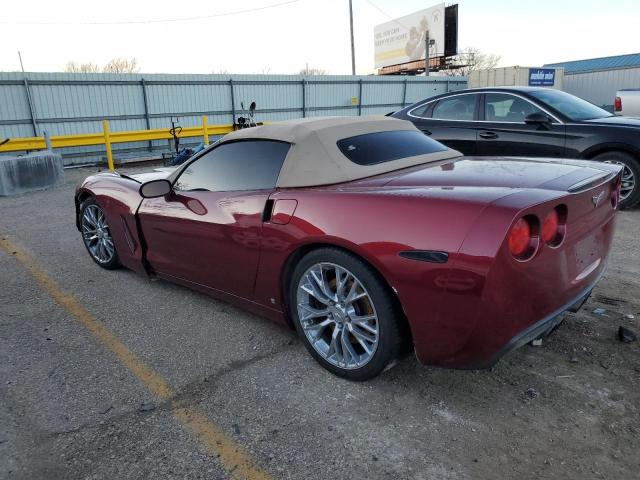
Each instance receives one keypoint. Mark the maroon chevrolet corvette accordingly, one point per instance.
(367, 236)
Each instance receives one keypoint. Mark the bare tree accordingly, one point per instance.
(74, 67)
(122, 65)
(469, 59)
(116, 65)
(308, 71)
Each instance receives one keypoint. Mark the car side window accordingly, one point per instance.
(420, 111)
(459, 107)
(241, 165)
(500, 107)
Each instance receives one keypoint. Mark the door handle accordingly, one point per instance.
(488, 135)
(426, 132)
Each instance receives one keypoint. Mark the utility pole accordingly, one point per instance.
(20, 57)
(426, 55)
(353, 50)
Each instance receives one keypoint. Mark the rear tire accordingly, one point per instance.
(344, 314)
(630, 191)
(96, 235)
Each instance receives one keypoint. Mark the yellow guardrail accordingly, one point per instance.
(107, 137)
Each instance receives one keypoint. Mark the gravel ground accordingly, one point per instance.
(70, 409)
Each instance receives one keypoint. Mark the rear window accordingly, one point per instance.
(380, 147)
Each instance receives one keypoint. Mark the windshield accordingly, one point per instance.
(572, 107)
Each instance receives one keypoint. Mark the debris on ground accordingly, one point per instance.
(146, 407)
(629, 316)
(600, 311)
(625, 335)
(532, 393)
(537, 342)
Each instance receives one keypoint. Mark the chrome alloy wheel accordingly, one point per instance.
(96, 235)
(337, 315)
(628, 179)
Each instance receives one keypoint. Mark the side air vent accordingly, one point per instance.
(430, 256)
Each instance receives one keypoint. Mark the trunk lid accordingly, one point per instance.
(502, 172)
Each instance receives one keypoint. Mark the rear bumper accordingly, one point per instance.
(537, 329)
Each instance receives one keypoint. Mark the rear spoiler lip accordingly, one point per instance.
(591, 182)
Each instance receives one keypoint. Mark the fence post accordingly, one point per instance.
(404, 93)
(233, 102)
(47, 140)
(360, 97)
(205, 130)
(31, 109)
(143, 84)
(304, 98)
(107, 144)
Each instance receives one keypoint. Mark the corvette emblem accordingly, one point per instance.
(596, 199)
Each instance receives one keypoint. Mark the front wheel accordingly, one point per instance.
(344, 314)
(96, 234)
(630, 188)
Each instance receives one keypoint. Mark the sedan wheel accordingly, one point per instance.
(630, 185)
(345, 314)
(628, 180)
(96, 235)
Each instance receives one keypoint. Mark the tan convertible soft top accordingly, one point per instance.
(314, 157)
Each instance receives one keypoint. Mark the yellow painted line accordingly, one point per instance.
(231, 455)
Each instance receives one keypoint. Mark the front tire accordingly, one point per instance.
(630, 189)
(96, 235)
(344, 314)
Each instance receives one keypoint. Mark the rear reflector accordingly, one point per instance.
(519, 237)
(617, 104)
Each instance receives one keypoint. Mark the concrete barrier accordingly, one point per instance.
(35, 171)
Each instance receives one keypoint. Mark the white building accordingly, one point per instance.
(598, 79)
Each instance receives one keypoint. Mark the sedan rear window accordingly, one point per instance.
(380, 147)
(570, 106)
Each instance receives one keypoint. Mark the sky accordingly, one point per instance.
(213, 37)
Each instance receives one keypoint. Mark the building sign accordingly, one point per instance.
(404, 40)
(544, 77)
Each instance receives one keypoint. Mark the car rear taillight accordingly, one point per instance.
(522, 238)
(554, 226)
(550, 226)
(617, 104)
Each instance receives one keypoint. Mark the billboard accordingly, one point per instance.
(542, 77)
(451, 31)
(403, 40)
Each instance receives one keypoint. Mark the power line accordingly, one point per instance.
(386, 14)
(165, 20)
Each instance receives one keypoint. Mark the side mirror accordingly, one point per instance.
(155, 188)
(536, 119)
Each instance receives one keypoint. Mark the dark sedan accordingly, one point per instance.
(533, 122)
